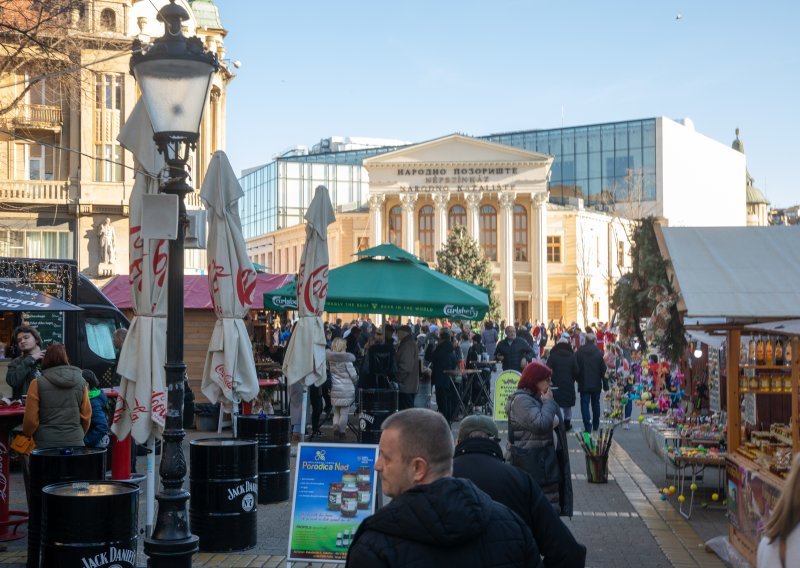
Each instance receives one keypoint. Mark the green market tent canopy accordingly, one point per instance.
(397, 283)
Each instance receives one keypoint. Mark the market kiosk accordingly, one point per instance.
(739, 281)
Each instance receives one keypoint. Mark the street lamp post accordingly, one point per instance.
(174, 75)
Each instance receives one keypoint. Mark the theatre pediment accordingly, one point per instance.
(458, 149)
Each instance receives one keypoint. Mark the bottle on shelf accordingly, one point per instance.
(787, 352)
(760, 351)
(779, 359)
(769, 351)
(751, 350)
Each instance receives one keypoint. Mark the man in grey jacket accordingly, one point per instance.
(407, 362)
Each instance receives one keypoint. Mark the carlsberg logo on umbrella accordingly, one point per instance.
(463, 312)
(285, 302)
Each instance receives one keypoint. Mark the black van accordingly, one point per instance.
(87, 334)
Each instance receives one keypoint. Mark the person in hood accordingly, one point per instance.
(57, 411)
(343, 385)
(564, 364)
(479, 458)
(97, 436)
(434, 519)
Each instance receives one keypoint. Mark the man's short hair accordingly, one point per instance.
(426, 434)
(119, 336)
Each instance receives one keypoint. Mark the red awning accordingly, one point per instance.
(196, 295)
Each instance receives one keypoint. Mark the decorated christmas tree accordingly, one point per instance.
(462, 258)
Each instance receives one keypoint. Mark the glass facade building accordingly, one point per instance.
(598, 163)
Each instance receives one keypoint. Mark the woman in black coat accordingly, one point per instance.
(442, 357)
(564, 364)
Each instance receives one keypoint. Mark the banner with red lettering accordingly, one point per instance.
(141, 405)
(230, 371)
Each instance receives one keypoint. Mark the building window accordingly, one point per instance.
(596, 310)
(36, 244)
(426, 233)
(107, 121)
(396, 226)
(108, 20)
(555, 309)
(108, 162)
(363, 243)
(488, 232)
(520, 234)
(621, 254)
(553, 248)
(269, 262)
(457, 217)
(108, 91)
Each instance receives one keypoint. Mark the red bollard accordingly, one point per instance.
(121, 459)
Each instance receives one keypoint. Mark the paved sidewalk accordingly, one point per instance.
(621, 522)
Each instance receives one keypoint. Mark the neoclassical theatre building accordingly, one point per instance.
(419, 193)
(549, 208)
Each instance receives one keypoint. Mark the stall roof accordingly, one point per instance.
(738, 273)
(196, 295)
(786, 327)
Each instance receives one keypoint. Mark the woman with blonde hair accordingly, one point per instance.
(343, 385)
(780, 544)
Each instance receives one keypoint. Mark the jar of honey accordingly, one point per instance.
(743, 383)
(776, 382)
(335, 496)
(763, 382)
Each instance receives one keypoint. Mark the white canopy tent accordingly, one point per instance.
(742, 274)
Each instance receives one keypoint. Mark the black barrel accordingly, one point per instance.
(376, 406)
(56, 465)
(90, 523)
(224, 492)
(272, 434)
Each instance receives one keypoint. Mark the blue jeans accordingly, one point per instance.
(590, 422)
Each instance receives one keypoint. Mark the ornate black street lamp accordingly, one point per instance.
(174, 75)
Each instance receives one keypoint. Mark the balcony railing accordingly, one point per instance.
(34, 191)
(38, 116)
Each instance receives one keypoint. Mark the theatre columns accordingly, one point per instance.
(376, 201)
(408, 202)
(473, 214)
(539, 255)
(506, 256)
(440, 201)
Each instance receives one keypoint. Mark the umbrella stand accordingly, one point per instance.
(150, 485)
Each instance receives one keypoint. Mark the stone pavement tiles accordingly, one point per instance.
(622, 523)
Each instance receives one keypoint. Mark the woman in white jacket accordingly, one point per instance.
(343, 381)
(780, 545)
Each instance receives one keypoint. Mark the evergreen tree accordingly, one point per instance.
(646, 294)
(462, 258)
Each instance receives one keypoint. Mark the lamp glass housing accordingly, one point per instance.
(174, 91)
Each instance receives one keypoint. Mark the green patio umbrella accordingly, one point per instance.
(398, 283)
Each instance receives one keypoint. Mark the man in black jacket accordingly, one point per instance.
(478, 457)
(514, 351)
(566, 373)
(434, 519)
(592, 370)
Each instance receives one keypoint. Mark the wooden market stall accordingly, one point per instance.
(741, 281)
(199, 316)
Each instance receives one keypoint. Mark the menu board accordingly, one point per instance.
(50, 325)
(504, 387)
(334, 490)
(714, 396)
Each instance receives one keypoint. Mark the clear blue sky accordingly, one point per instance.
(416, 70)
